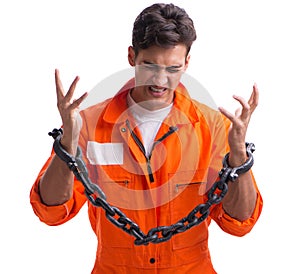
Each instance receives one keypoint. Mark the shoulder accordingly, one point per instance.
(206, 111)
(212, 117)
(95, 110)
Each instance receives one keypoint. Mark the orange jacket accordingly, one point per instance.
(151, 192)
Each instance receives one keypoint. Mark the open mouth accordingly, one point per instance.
(157, 91)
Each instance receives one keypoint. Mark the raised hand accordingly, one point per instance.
(240, 121)
(69, 112)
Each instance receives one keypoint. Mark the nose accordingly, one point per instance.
(160, 78)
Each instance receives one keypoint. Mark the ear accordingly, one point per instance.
(187, 61)
(131, 56)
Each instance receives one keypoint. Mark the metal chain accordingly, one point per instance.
(161, 233)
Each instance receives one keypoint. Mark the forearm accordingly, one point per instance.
(240, 199)
(56, 185)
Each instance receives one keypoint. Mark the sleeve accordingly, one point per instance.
(56, 215)
(233, 226)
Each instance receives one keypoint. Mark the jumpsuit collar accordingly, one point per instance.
(117, 110)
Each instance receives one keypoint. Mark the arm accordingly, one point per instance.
(56, 185)
(240, 200)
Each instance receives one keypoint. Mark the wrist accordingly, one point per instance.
(238, 154)
(237, 158)
(232, 172)
(69, 141)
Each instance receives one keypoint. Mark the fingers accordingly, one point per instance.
(247, 107)
(60, 90)
(250, 106)
(67, 106)
(242, 101)
(63, 98)
(59, 86)
(228, 114)
(253, 101)
(77, 102)
(71, 90)
(240, 113)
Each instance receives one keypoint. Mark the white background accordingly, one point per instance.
(239, 43)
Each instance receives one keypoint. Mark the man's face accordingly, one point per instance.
(157, 74)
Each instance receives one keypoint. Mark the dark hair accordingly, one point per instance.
(163, 25)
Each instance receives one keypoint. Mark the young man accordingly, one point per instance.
(155, 153)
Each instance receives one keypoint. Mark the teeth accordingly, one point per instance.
(157, 89)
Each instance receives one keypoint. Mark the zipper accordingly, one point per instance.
(177, 186)
(139, 143)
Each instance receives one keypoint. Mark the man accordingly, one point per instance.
(155, 153)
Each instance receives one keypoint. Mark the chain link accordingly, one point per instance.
(161, 233)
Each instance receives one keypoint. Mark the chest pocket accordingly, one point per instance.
(187, 190)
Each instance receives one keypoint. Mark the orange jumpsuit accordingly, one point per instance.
(152, 191)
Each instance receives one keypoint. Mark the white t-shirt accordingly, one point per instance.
(148, 121)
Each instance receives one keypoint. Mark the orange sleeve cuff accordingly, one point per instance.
(236, 227)
(51, 215)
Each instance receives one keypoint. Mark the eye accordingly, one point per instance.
(172, 69)
(151, 67)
